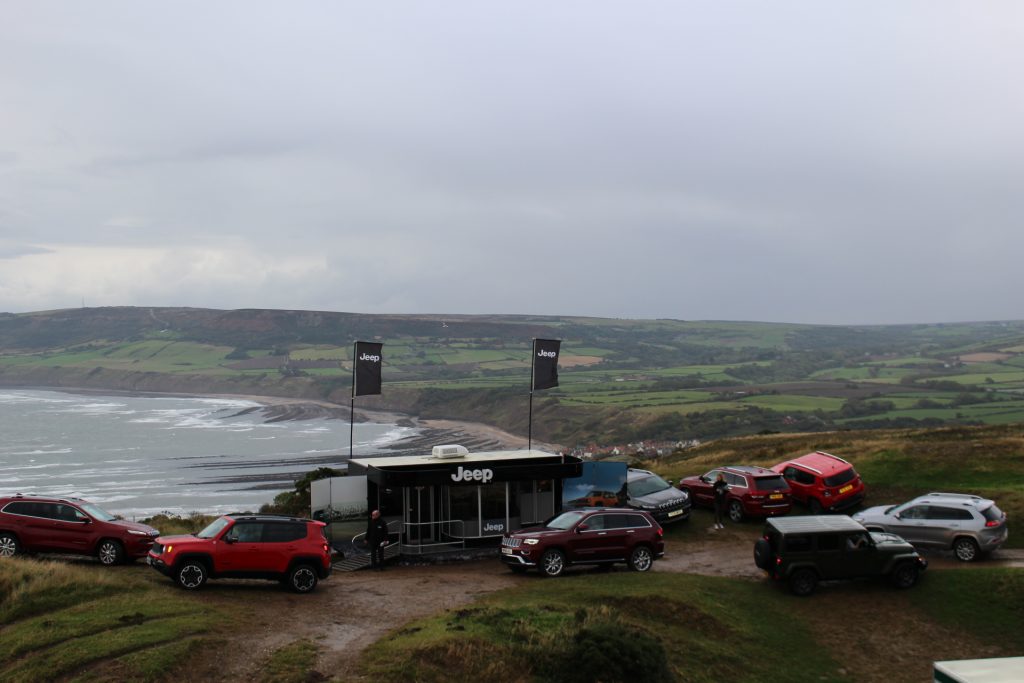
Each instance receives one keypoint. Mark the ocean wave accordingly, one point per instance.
(40, 451)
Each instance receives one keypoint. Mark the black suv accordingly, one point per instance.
(648, 492)
(805, 550)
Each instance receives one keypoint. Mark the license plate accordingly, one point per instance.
(506, 551)
(675, 513)
(848, 487)
(776, 496)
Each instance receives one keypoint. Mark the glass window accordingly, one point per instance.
(736, 480)
(247, 532)
(492, 500)
(828, 542)
(646, 486)
(597, 522)
(19, 509)
(797, 544)
(769, 483)
(67, 513)
(283, 532)
(858, 541)
(564, 520)
(992, 513)
(841, 478)
(96, 512)
(463, 502)
(915, 512)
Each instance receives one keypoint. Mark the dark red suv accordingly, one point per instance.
(600, 536)
(753, 491)
(292, 551)
(823, 482)
(35, 524)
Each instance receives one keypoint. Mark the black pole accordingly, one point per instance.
(352, 414)
(533, 360)
(529, 437)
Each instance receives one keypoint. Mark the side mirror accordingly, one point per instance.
(898, 516)
(230, 539)
(582, 527)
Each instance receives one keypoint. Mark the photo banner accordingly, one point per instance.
(545, 363)
(366, 376)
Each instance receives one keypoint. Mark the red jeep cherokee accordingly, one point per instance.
(35, 524)
(586, 536)
(753, 491)
(823, 482)
(292, 551)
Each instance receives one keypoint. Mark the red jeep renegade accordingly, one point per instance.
(292, 551)
(823, 482)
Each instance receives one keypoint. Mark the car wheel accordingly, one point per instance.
(9, 546)
(905, 575)
(191, 574)
(814, 506)
(762, 554)
(110, 552)
(641, 559)
(803, 582)
(302, 579)
(736, 511)
(965, 549)
(552, 562)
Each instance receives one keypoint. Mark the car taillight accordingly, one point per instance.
(327, 549)
(994, 522)
(661, 532)
(778, 560)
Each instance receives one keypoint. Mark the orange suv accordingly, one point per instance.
(601, 536)
(35, 524)
(286, 549)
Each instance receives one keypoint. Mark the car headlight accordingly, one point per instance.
(133, 532)
(686, 496)
(531, 541)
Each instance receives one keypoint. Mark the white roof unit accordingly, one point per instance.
(449, 451)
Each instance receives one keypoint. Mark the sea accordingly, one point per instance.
(137, 456)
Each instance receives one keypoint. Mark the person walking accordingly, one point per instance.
(720, 489)
(377, 537)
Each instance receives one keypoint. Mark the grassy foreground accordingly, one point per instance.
(81, 622)
(625, 627)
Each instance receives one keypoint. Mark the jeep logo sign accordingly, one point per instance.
(494, 526)
(365, 356)
(483, 476)
(547, 354)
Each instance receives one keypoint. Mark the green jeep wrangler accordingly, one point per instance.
(805, 550)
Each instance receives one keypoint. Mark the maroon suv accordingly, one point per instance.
(601, 536)
(35, 524)
(286, 549)
(752, 492)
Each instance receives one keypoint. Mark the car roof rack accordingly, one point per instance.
(833, 456)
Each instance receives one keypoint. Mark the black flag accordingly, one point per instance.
(366, 369)
(545, 363)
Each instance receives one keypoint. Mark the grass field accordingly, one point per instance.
(620, 626)
(80, 621)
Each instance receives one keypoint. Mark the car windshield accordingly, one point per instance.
(769, 483)
(96, 512)
(215, 528)
(841, 478)
(647, 485)
(564, 520)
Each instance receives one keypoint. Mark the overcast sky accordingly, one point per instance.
(823, 162)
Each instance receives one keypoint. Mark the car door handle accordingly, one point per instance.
(602, 533)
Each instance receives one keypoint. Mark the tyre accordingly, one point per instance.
(803, 582)
(965, 549)
(736, 511)
(302, 578)
(762, 554)
(905, 575)
(641, 559)
(814, 506)
(9, 546)
(191, 574)
(110, 552)
(552, 562)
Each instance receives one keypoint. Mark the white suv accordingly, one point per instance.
(968, 525)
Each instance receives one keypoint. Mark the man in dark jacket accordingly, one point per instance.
(377, 537)
(721, 489)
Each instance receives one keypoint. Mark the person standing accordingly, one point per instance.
(720, 489)
(377, 537)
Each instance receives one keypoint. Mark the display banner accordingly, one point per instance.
(366, 378)
(545, 363)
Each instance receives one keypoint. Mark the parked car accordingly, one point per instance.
(648, 492)
(823, 482)
(753, 491)
(968, 525)
(286, 549)
(36, 524)
(805, 550)
(601, 536)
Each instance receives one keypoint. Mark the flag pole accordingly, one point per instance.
(529, 429)
(352, 412)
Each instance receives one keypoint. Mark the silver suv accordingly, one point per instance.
(968, 525)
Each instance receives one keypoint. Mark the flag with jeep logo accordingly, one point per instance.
(545, 363)
(366, 369)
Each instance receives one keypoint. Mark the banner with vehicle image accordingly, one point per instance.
(602, 484)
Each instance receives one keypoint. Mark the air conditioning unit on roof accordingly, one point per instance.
(449, 451)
